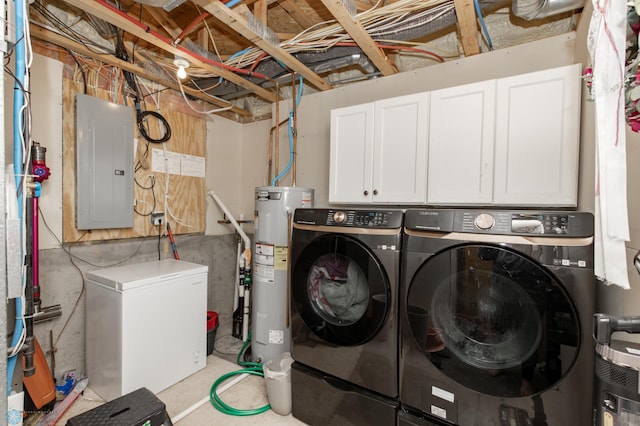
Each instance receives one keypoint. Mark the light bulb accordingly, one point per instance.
(182, 64)
(181, 73)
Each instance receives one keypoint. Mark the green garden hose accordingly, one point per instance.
(254, 368)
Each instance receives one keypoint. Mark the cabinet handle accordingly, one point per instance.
(366, 192)
(375, 192)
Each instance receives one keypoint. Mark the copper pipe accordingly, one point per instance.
(270, 160)
(294, 129)
(277, 144)
(271, 131)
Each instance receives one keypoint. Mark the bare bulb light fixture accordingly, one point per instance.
(182, 65)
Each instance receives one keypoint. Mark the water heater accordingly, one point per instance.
(271, 334)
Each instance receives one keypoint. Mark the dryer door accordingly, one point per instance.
(493, 320)
(340, 289)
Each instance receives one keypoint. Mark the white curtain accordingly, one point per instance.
(606, 44)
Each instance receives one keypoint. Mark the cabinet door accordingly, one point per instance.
(351, 155)
(400, 149)
(461, 132)
(537, 138)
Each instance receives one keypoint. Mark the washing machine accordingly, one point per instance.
(496, 310)
(345, 271)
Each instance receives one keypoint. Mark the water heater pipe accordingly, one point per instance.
(294, 128)
(274, 128)
(277, 141)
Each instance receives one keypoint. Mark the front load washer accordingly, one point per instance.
(496, 313)
(345, 267)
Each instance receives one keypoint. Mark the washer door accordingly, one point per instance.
(492, 319)
(340, 289)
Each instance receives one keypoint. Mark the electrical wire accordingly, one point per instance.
(141, 118)
(60, 27)
(84, 76)
(210, 111)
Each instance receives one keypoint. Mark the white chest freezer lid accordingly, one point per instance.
(138, 275)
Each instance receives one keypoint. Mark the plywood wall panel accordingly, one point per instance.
(186, 206)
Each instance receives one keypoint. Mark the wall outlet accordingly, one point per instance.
(157, 218)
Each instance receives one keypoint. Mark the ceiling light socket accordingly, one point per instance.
(182, 64)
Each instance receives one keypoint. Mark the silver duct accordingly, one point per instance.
(536, 9)
(167, 5)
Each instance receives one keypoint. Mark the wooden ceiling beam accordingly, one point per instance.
(58, 40)
(104, 11)
(165, 22)
(238, 23)
(467, 26)
(296, 13)
(260, 10)
(358, 33)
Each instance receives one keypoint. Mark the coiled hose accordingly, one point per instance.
(253, 368)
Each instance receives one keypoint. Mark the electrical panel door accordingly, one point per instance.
(104, 164)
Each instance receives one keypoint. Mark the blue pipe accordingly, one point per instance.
(291, 153)
(18, 103)
(290, 132)
(232, 3)
(484, 26)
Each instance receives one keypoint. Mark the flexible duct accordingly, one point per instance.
(536, 9)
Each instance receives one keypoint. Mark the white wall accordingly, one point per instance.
(314, 109)
(46, 109)
(222, 172)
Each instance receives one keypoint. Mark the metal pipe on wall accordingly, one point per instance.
(277, 142)
(294, 129)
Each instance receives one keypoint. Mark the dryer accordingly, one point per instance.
(496, 313)
(345, 269)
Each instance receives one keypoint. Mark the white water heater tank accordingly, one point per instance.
(275, 205)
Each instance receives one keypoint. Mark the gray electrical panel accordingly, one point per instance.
(104, 164)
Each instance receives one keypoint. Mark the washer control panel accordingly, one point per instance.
(507, 222)
(350, 218)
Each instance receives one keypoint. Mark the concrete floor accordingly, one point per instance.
(187, 402)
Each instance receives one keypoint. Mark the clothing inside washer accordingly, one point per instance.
(338, 289)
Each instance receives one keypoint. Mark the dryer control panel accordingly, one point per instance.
(502, 222)
(386, 219)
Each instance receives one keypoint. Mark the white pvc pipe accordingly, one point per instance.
(206, 399)
(247, 241)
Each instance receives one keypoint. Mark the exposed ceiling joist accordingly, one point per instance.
(359, 35)
(467, 26)
(162, 18)
(58, 40)
(260, 10)
(238, 23)
(296, 13)
(104, 11)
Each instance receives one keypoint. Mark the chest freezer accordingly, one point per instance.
(145, 325)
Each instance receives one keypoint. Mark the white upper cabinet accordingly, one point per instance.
(538, 138)
(506, 142)
(351, 156)
(461, 134)
(379, 152)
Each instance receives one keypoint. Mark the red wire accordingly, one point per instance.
(189, 27)
(148, 29)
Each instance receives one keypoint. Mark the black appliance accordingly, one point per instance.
(617, 372)
(496, 311)
(345, 267)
